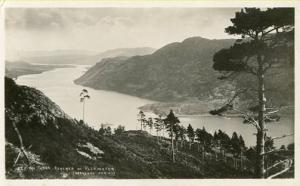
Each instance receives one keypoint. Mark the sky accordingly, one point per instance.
(100, 29)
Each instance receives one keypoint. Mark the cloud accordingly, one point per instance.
(33, 19)
(106, 28)
(46, 18)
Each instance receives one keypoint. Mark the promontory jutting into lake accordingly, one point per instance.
(149, 93)
(112, 108)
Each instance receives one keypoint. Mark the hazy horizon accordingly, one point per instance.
(100, 29)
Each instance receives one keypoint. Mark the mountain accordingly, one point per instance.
(126, 52)
(182, 72)
(58, 146)
(79, 56)
(19, 68)
(177, 71)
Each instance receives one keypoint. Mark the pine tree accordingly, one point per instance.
(102, 131)
(119, 130)
(158, 125)
(170, 121)
(199, 135)
(235, 142)
(141, 119)
(267, 37)
(83, 96)
(182, 134)
(242, 143)
(150, 124)
(190, 134)
(108, 131)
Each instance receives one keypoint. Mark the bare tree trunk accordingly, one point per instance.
(235, 163)
(242, 169)
(172, 144)
(260, 142)
(203, 154)
(267, 165)
(83, 110)
(21, 144)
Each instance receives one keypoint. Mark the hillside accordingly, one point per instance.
(126, 52)
(182, 72)
(19, 68)
(175, 72)
(81, 57)
(60, 147)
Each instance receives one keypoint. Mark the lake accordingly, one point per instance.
(107, 107)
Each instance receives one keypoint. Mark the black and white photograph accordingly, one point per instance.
(130, 92)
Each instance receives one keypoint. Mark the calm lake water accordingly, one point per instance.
(119, 109)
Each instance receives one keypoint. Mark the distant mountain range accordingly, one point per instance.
(182, 71)
(77, 56)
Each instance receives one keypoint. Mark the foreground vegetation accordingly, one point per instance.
(57, 146)
(54, 143)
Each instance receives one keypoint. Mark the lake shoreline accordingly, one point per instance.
(16, 70)
(121, 109)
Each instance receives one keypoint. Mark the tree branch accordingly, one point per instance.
(268, 67)
(280, 137)
(273, 29)
(279, 173)
(275, 150)
(253, 121)
(228, 75)
(278, 163)
(22, 149)
(249, 69)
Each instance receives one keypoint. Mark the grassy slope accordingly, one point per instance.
(51, 138)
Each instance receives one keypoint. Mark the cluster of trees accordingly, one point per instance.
(180, 134)
(199, 140)
(156, 123)
(107, 131)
